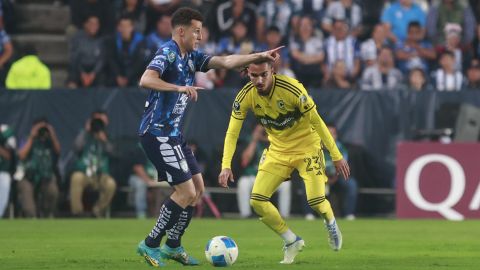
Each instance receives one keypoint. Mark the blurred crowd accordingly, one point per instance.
(340, 44)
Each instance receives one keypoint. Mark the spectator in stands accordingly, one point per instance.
(8, 146)
(273, 39)
(417, 80)
(446, 78)
(370, 48)
(38, 190)
(399, 15)
(236, 10)
(162, 34)
(339, 78)
(136, 10)
(342, 46)
(127, 55)
(307, 54)
(348, 190)
(453, 34)
(414, 51)
(314, 9)
(209, 79)
(476, 42)
(450, 11)
(28, 72)
(251, 156)
(473, 74)
(237, 43)
(80, 10)
(6, 52)
(383, 75)
(143, 178)
(94, 151)
(156, 8)
(345, 10)
(87, 56)
(277, 13)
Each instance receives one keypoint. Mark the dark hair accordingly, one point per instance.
(447, 53)
(414, 24)
(273, 28)
(184, 16)
(126, 17)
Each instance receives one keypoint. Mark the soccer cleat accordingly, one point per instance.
(178, 254)
(334, 235)
(291, 250)
(151, 255)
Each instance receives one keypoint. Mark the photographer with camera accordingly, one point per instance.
(7, 153)
(92, 166)
(37, 171)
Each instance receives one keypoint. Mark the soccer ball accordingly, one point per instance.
(221, 251)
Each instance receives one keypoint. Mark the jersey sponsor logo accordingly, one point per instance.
(181, 104)
(282, 122)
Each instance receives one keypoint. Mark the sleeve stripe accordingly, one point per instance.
(289, 90)
(291, 85)
(206, 60)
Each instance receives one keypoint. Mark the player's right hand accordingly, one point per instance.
(225, 176)
(191, 91)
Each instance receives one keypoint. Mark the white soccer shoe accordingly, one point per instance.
(334, 235)
(291, 250)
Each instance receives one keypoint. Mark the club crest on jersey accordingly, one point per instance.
(171, 57)
(190, 65)
(303, 98)
(236, 106)
(281, 104)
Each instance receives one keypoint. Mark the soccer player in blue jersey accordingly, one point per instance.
(170, 78)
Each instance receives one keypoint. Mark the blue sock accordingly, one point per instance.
(174, 236)
(169, 214)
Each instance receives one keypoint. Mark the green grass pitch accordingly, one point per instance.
(368, 244)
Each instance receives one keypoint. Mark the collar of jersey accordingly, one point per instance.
(177, 48)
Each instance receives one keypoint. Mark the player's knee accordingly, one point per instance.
(258, 206)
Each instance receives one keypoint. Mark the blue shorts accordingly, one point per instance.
(171, 156)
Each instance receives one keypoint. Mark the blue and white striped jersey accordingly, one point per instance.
(164, 109)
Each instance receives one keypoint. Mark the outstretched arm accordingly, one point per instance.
(237, 61)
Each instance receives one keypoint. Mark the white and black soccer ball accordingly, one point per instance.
(221, 251)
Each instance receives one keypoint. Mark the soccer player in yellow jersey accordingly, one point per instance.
(296, 134)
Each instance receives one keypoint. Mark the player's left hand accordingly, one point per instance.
(342, 168)
(225, 176)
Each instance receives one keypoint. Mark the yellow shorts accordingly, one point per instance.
(274, 168)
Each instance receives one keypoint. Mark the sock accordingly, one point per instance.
(289, 237)
(174, 236)
(169, 214)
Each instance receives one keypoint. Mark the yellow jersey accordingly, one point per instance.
(289, 116)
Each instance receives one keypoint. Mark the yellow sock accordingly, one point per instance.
(269, 215)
